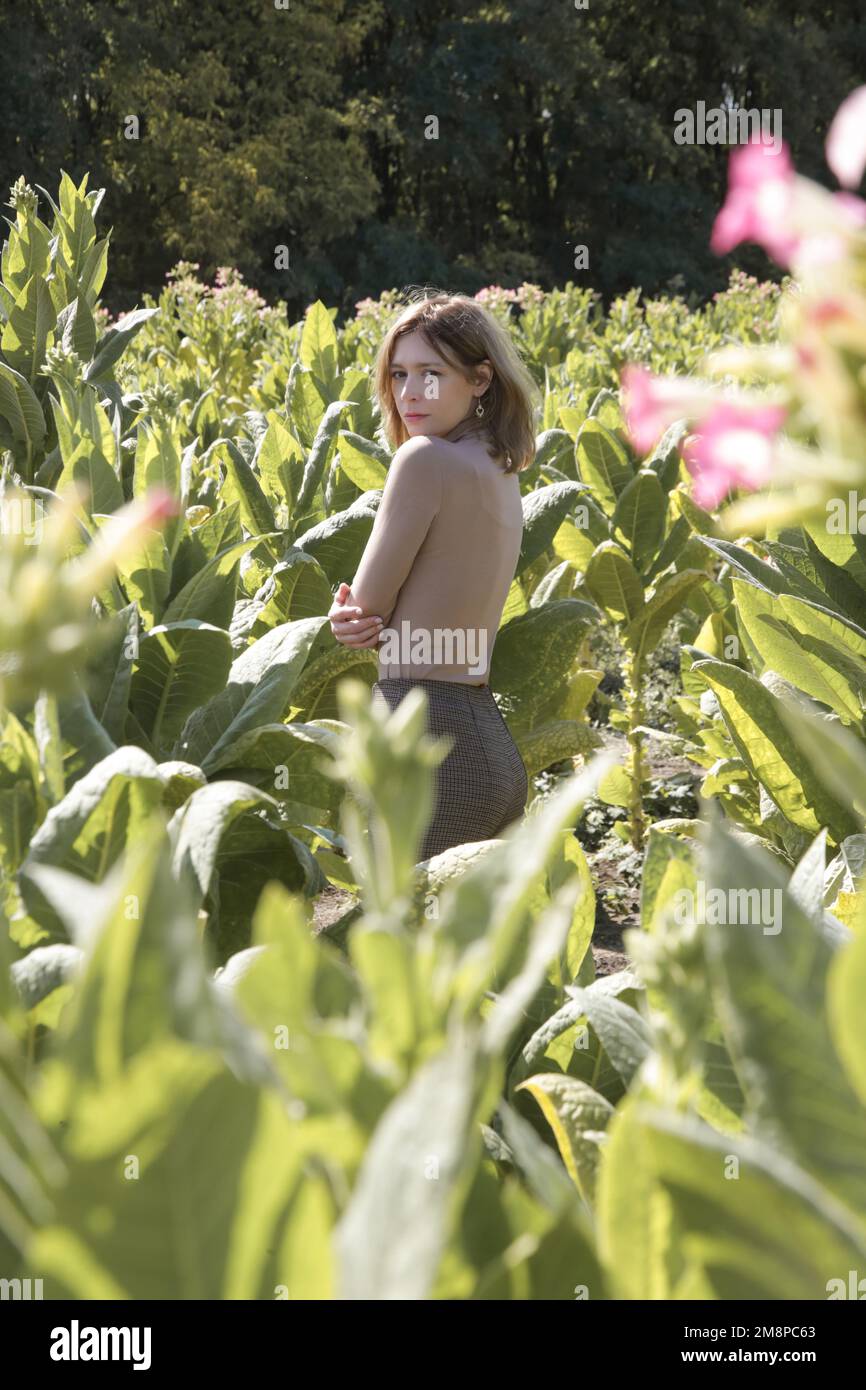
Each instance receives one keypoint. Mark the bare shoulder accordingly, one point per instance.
(419, 463)
(423, 448)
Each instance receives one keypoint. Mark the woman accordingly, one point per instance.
(433, 580)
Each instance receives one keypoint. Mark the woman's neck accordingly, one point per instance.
(465, 428)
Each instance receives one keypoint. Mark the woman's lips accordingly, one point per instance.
(415, 415)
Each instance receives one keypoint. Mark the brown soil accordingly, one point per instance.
(607, 942)
(329, 905)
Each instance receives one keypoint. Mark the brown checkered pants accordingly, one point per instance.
(482, 785)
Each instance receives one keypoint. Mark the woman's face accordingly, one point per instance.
(431, 396)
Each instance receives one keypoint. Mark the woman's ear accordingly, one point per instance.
(484, 373)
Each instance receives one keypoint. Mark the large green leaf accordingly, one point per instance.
(770, 979)
(339, 541)
(751, 713)
(665, 459)
(810, 575)
(146, 576)
(602, 463)
(484, 915)
(750, 566)
(672, 1223)
(578, 1117)
(279, 459)
(20, 406)
(202, 543)
(818, 651)
(363, 461)
(20, 802)
(209, 595)
(158, 464)
(98, 818)
(81, 733)
(572, 868)
(30, 323)
(242, 486)
(114, 341)
(614, 583)
(846, 549)
(678, 536)
(146, 975)
(297, 588)
(290, 982)
(845, 985)
(836, 755)
(319, 343)
(624, 1034)
(319, 455)
(45, 969)
(214, 836)
(533, 666)
(639, 519)
(554, 449)
(26, 253)
(556, 944)
(93, 271)
(399, 1219)
(316, 694)
(304, 402)
(76, 328)
(665, 601)
(258, 691)
(843, 592)
(75, 223)
(558, 741)
(604, 406)
(581, 532)
(89, 468)
(637, 1243)
(202, 1217)
(529, 1237)
(180, 666)
(287, 760)
(669, 866)
(544, 510)
(108, 674)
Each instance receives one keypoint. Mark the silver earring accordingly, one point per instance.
(479, 409)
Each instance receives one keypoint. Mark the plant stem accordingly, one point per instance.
(634, 705)
(47, 727)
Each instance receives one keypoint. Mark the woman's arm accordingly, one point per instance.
(411, 498)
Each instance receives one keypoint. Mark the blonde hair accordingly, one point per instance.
(464, 333)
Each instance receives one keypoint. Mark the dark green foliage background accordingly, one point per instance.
(306, 127)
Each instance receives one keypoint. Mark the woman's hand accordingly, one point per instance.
(348, 622)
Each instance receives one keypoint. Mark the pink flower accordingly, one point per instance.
(734, 448)
(845, 147)
(122, 536)
(652, 403)
(798, 222)
(757, 208)
(828, 309)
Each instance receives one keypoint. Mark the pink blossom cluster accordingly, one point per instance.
(494, 295)
(497, 295)
(802, 227)
(741, 283)
(229, 285)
